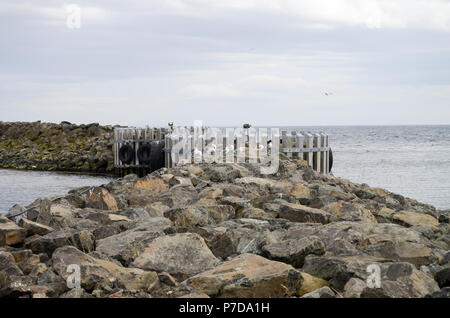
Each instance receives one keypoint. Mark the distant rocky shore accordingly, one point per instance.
(56, 147)
(226, 231)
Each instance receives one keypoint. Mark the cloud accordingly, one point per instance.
(429, 14)
(196, 91)
(265, 61)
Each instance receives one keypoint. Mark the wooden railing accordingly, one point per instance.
(312, 147)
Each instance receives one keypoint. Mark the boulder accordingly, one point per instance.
(237, 236)
(10, 232)
(301, 213)
(100, 198)
(153, 185)
(350, 211)
(356, 234)
(443, 293)
(354, 287)
(127, 245)
(93, 271)
(135, 281)
(248, 275)
(255, 213)
(414, 253)
(29, 263)
(20, 286)
(192, 216)
(156, 209)
(302, 193)
(402, 280)
(398, 280)
(76, 293)
(443, 277)
(260, 182)
(294, 251)
(239, 204)
(323, 292)
(411, 218)
(310, 284)
(33, 228)
(181, 255)
(84, 240)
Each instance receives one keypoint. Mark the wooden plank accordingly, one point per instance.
(309, 144)
(286, 140)
(137, 137)
(315, 154)
(240, 144)
(322, 154)
(115, 148)
(327, 155)
(300, 139)
(252, 151)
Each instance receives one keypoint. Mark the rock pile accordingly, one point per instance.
(62, 147)
(227, 231)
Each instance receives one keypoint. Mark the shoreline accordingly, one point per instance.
(56, 147)
(316, 234)
(66, 172)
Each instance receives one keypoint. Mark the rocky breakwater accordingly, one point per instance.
(227, 231)
(61, 147)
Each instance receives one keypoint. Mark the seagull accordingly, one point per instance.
(328, 93)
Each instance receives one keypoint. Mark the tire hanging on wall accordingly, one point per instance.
(330, 162)
(157, 155)
(126, 154)
(144, 153)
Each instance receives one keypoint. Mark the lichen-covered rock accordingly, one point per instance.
(10, 232)
(414, 253)
(398, 280)
(93, 271)
(248, 275)
(33, 228)
(83, 240)
(310, 284)
(301, 213)
(127, 245)
(354, 287)
(181, 255)
(51, 146)
(322, 292)
(100, 198)
(192, 216)
(294, 251)
(411, 218)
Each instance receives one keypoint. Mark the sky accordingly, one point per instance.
(226, 62)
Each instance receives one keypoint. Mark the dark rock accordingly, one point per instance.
(443, 293)
(294, 251)
(443, 277)
(84, 240)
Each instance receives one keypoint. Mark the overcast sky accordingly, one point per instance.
(226, 62)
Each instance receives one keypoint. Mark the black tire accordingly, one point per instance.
(144, 153)
(330, 162)
(157, 155)
(126, 154)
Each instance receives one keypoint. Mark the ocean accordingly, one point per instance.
(23, 187)
(413, 161)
